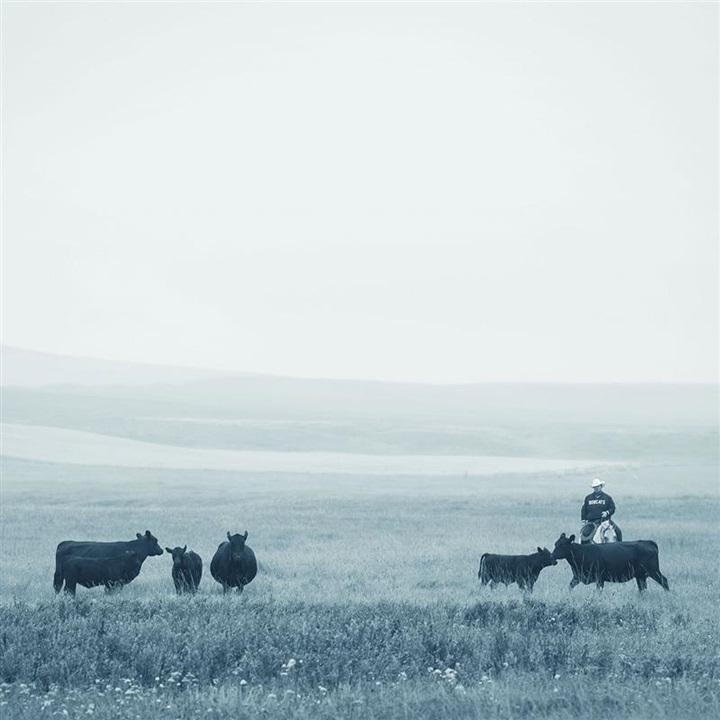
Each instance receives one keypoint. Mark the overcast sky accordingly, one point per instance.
(434, 192)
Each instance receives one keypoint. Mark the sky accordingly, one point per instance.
(434, 192)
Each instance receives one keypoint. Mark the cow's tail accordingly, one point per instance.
(59, 577)
(655, 573)
(482, 564)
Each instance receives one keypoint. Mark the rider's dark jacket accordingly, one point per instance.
(595, 505)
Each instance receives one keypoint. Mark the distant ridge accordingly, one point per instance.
(32, 368)
(244, 395)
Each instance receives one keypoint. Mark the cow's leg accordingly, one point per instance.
(70, 586)
(575, 580)
(240, 588)
(226, 589)
(641, 581)
(599, 583)
(659, 578)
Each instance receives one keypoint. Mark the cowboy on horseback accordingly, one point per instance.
(597, 508)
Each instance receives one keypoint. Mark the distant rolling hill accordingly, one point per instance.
(209, 409)
(30, 368)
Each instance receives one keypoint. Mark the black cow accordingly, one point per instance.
(522, 569)
(142, 546)
(109, 572)
(186, 569)
(611, 562)
(234, 564)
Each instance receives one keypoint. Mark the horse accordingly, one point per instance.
(600, 532)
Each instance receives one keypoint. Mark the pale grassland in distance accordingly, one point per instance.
(59, 445)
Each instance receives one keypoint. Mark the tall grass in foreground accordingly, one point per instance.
(233, 657)
(365, 606)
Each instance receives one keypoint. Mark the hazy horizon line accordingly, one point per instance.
(261, 374)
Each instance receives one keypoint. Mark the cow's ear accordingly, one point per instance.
(572, 538)
(563, 535)
(185, 548)
(245, 535)
(540, 550)
(168, 550)
(228, 534)
(138, 535)
(148, 534)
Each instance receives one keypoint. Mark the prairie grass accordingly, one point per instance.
(228, 656)
(366, 605)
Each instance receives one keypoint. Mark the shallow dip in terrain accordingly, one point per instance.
(47, 444)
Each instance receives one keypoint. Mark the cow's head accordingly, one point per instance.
(177, 554)
(237, 544)
(562, 547)
(150, 543)
(546, 557)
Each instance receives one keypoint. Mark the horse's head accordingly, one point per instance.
(605, 533)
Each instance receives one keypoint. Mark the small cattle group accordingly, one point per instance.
(115, 564)
(590, 563)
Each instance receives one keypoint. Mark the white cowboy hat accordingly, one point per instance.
(597, 482)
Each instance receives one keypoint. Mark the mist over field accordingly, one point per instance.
(354, 301)
(368, 506)
(621, 422)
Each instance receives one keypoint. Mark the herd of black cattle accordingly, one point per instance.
(590, 563)
(114, 564)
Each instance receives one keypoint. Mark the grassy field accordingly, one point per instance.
(367, 602)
